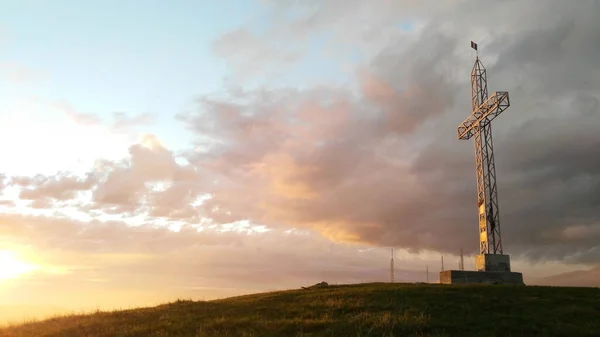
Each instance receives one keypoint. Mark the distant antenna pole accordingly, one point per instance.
(392, 266)
(461, 265)
(442, 262)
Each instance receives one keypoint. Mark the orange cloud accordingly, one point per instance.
(284, 176)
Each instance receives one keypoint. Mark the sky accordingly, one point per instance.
(203, 149)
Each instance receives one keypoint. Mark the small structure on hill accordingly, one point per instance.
(318, 285)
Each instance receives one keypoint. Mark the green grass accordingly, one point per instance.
(351, 310)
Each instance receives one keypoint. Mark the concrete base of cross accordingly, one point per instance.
(480, 277)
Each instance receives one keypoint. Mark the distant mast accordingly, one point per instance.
(392, 266)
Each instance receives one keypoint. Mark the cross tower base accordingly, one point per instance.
(492, 262)
(489, 269)
(480, 277)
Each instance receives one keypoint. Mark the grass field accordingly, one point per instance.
(352, 310)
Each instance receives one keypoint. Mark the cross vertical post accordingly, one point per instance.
(478, 126)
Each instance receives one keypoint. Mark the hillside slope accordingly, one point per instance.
(352, 310)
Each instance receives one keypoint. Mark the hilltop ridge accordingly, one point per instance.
(374, 309)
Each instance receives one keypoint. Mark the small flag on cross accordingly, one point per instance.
(473, 45)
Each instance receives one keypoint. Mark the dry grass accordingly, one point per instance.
(354, 310)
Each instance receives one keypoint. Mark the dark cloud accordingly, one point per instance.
(387, 169)
(545, 143)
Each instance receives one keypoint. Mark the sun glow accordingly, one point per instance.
(12, 267)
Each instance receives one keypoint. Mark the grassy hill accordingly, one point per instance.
(352, 310)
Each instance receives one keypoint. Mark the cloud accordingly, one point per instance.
(61, 187)
(111, 265)
(2, 182)
(122, 121)
(359, 26)
(18, 73)
(81, 118)
(377, 163)
(286, 186)
(115, 265)
(386, 168)
(150, 180)
(125, 122)
(258, 57)
(128, 185)
(578, 278)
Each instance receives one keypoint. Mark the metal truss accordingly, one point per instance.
(484, 114)
(478, 126)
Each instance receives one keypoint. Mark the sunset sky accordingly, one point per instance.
(155, 150)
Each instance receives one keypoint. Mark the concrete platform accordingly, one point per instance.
(492, 262)
(480, 277)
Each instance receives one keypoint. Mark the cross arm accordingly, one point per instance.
(485, 113)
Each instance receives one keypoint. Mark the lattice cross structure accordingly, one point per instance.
(478, 126)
